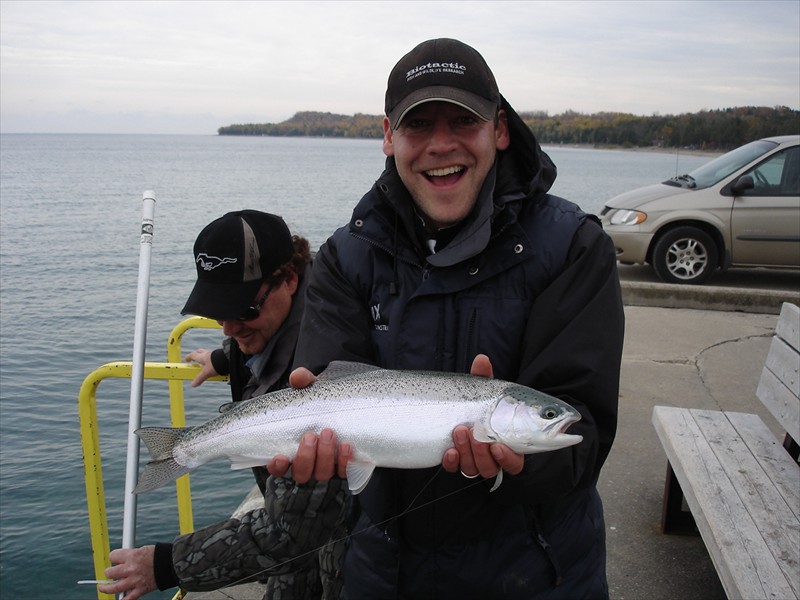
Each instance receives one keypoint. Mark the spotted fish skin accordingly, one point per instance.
(392, 418)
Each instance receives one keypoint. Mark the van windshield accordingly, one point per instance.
(722, 166)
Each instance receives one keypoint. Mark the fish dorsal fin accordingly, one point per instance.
(223, 408)
(343, 368)
(359, 474)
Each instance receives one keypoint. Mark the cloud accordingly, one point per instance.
(194, 66)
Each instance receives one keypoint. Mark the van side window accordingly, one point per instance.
(779, 175)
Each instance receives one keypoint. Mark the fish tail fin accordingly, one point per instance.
(162, 467)
(160, 440)
(158, 472)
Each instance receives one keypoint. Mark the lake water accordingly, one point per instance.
(70, 215)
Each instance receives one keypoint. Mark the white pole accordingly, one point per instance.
(137, 372)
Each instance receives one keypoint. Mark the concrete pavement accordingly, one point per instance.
(675, 357)
(688, 346)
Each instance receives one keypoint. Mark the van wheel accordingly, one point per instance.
(685, 255)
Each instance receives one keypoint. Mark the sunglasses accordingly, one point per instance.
(251, 313)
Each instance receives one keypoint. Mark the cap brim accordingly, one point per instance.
(220, 301)
(481, 107)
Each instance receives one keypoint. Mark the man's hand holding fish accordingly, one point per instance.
(475, 458)
(317, 456)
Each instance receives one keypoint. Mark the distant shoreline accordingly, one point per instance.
(662, 150)
(708, 130)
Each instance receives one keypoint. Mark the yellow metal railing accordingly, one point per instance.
(176, 372)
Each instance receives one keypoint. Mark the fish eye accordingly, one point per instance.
(549, 412)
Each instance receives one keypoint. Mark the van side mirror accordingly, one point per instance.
(745, 182)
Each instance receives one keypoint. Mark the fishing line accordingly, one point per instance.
(380, 524)
(419, 493)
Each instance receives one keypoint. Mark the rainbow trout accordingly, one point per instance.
(398, 419)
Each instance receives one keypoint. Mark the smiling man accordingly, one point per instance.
(459, 253)
(443, 153)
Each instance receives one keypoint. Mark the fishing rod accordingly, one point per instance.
(137, 372)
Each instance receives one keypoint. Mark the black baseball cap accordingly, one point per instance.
(446, 70)
(233, 256)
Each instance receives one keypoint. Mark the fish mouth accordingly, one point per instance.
(558, 433)
(567, 424)
(560, 427)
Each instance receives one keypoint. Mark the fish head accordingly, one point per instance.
(528, 421)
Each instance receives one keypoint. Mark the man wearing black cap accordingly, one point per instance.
(459, 260)
(251, 277)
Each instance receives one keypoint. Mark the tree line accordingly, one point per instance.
(720, 129)
(314, 124)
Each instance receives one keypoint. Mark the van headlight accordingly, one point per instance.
(627, 217)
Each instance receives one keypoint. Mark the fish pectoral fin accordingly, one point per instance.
(498, 480)
(481, 433)
(358, 475)
(246, 462)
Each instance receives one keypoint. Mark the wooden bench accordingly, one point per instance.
(740, 483)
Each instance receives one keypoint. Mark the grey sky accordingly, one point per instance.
(191, 67)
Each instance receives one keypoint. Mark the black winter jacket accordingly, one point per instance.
(529, 280)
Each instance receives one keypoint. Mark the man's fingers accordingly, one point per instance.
(344, 455)
(198, 355)
(450, 460)
(278, 466)
(316, 457)
(132, 570)
(509, 461)
(301, 377)
(324, 468)
(483, 458)
(304, 461)
(461, 440)
(200, 377)
(482, 366)
(473, 458)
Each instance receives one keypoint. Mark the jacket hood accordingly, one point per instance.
(524, 166)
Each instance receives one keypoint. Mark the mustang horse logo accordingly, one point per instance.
(209, 263)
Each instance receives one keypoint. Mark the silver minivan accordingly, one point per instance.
(740, 209)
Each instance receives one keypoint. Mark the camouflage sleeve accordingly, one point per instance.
(283, 539)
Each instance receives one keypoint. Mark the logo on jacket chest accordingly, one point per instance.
(377, 319)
